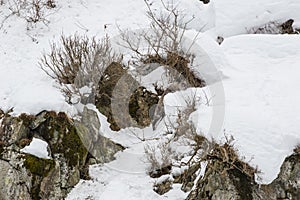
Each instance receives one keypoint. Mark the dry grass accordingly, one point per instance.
(159, 159)
(227, 155)
(78, 61)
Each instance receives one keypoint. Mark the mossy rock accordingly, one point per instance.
(60, 133)
(38, 166)
(39, 169)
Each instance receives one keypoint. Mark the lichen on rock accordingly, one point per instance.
(237, 182)
(30, 177)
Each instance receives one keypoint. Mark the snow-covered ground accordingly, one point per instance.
(261, 81)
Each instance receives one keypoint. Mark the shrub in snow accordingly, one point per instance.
(163, 43)
(32, 11)
(159, 159)
(77, 64)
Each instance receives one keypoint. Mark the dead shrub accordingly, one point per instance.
(162, 44)
(76, 62)
(32, 11)
(227, 155)
(159, 159)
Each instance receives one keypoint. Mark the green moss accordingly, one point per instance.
(38, 166)
(60, 133)
(74, 150)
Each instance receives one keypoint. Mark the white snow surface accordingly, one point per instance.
(38, 148)
(260, 76)
(262, 98)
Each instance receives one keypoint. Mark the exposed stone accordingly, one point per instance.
(140, 104)
(30, 177)
(161, 171)
(180, 72)
(163, 187)
(228, 178)
(188, 177)
(276, 28)
(205, 1)
(287, 183)
(287, 27)
(115, 79)
(101, 148)
(15, 182)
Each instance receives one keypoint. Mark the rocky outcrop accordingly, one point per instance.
(227, 177)
(276, 28)
(287, 183)
(141, 103)
(115, 79)
(287, 27)
(27, 176)
(119, 93)
(100, 148)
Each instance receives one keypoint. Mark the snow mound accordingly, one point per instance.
(38, 148)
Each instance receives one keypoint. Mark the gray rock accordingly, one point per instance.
(28, 177)
(287, 183)
(230, 179)
(100, 147)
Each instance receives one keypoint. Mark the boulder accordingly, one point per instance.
(287, 183)
(100, 148)
(114, 88)
(30, 177)
(227, 177)
(141, 103)
(119, 92)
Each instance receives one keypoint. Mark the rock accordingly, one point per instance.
(119, 93)
(140, 104)
(101, 148)
(161, 171)
(275, 28)
(182, 72)
(163, 187)
(287, 183)
(188, 177)
(115, 79)
(205, 1)
(15, 183)
(220, 40)
(30, 177)
(227, 177)
(287, 27)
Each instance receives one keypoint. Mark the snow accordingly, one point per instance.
(234, 17)
(38, 148)
(253, 81)
(262, 98)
